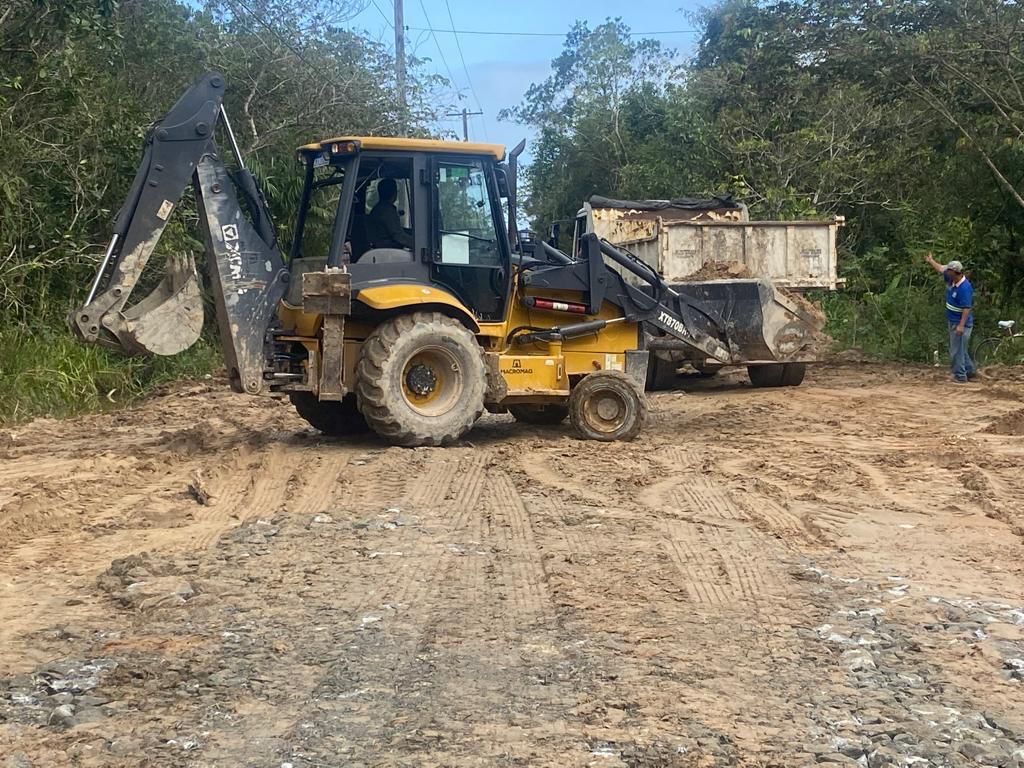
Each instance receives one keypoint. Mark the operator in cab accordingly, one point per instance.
(383, 225)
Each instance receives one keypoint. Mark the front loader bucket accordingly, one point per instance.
(170, 319)
(763, 324)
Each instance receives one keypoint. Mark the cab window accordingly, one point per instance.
(466, 215)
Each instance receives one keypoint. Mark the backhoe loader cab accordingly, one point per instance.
(404, 306)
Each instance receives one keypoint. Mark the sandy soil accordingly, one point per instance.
(824, 575)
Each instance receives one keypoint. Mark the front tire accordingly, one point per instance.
(607, 406)
(421, 380)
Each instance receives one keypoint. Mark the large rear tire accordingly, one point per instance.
(330, 417)
(543, 415)
(607, 406)
(421, 380)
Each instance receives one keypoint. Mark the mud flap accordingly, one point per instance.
(637, 361)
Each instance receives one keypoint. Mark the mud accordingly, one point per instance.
(826, 575)
(1008, 424)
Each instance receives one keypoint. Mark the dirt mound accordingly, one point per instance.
(1011, 423)
(734, 270)
(720, 270)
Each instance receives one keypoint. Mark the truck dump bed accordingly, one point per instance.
(678, 237)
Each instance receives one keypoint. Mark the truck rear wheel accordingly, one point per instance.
(793, 374)
(661, 374)
(421, 379)
(545, 415)
(777, 374)
(330, 416)
(606, 406)
(765, 375)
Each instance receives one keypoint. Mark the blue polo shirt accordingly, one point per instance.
(958, 298)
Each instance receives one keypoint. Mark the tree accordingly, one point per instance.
(603, 93)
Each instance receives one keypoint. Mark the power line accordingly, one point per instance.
(430, 29)
(552, 34)
(465, 69)
(382, 14)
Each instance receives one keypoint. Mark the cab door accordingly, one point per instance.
(470, 250)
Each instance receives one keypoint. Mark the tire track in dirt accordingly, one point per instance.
(522, 574)
(439, 501)
(319, 481)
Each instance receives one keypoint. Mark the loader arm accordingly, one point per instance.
(658, 304)
(247, 272)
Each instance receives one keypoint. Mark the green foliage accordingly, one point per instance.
(81, 81)
(49, 374)
(905, 117)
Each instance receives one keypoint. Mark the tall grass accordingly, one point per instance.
(907, 321)
(48, 373)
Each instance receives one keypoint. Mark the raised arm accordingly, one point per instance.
(940, 268)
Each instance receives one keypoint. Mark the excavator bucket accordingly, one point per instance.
(170, 319)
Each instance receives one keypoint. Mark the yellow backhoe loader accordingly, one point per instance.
(415, 309)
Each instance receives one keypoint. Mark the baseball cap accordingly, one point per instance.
(955, 266)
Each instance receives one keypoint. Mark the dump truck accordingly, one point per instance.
(753, 273)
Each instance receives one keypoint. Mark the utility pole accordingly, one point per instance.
(400, 68)
(465, 121)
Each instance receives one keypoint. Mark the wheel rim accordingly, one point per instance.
(606, 411)
(432, 381)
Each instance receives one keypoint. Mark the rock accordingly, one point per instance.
(883, 757)
(978, 753)
(126, 746)
(62, 716)
(158, 592)
(835, 758)
(18, 760)
(1001, 723)
(323, 519)
(853, 750)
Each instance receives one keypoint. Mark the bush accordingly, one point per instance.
(48, 373)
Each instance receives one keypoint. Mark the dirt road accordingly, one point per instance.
(824, 575)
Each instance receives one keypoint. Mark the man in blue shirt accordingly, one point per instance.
(960, 316)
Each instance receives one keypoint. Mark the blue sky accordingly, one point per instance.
(502, 68)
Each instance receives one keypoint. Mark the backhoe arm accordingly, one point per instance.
(247, 272)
